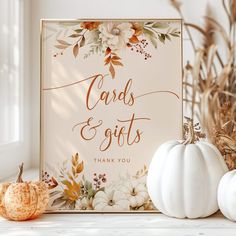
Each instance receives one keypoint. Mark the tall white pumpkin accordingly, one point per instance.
(183, 178)
(227, 195)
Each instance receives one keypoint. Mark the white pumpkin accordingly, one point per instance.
(110, 200)
(136, 192)
(183, 178)
(227, 195)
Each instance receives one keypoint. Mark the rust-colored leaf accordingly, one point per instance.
(80, 167)
(107, 60)
(133, 39)
(51, 187)
(76, 50)
(117, 63)
(54, 181)
(77, 156)
(116, 57)
(75, 159)
(112, 71)
(108, 51)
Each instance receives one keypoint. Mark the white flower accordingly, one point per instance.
(136, 192)
(110, 200)
(84, 204)
(115, 35)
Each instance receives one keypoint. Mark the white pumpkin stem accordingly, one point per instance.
(19, 177)
(192, 132)
(191, 137)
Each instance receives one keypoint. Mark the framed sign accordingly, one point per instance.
(111, 93)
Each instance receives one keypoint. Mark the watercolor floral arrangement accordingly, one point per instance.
(110, 38)
(70, 190)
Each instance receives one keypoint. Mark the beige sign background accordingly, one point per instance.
(111, 93)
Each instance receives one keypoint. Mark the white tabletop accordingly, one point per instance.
(116, 224)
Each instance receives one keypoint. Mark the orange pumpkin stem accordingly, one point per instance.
(19, 177)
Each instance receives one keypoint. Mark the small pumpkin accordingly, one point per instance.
(110, 200)
(226, 195)
(183, 177)
(23, 200)
(135, 191)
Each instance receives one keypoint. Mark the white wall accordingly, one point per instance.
(15, 87)
(73, 9)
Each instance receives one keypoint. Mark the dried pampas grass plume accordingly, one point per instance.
(209, 36)
(210, 93)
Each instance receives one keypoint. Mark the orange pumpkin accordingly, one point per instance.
(23, 200)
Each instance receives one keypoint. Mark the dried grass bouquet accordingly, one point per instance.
(210, 82)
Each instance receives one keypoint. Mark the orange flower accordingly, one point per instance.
(138, 29)
(90, 25)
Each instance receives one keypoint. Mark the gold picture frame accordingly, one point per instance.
(68, 46)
